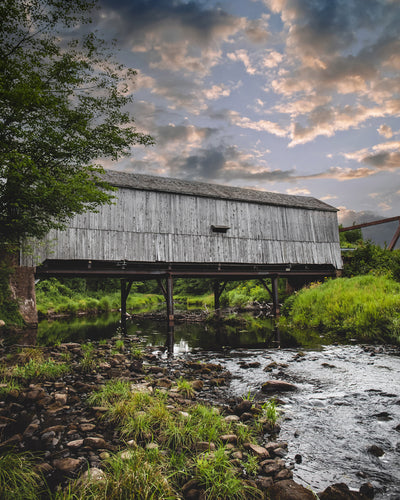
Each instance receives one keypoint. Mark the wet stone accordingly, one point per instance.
(375, 450)
(67, 464)
(277, 386)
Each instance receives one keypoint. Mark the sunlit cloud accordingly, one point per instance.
(298, 191)
(386, 131)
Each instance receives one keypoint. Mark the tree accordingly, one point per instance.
(62, 107)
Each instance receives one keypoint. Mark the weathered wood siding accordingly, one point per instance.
(149, 226)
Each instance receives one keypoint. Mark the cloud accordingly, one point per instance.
(298, 191)
(176, 36)
(386, 131)
(225, 164)
(260, 125)
(384, 156)
(334, 49)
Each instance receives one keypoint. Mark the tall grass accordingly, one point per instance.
(17, 477)
(53, 297)
(366, 307)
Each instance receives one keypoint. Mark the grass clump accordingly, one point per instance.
(35, 370)
(17, 477)
(147, 419)
(185, 387)
(367, 307)
(218, 477)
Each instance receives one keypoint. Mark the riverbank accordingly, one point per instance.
(72, 407)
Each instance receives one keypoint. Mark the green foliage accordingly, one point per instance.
(367, 307)
(35, 370)
(218, 477)
(369, 258)
(69, 297)
(185, 387)
(130, 474)
(350, 239)
(7, 386)
(17, 477)
(88, 362)
(63, 105)
(270, 411)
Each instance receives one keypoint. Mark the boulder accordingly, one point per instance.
(277, 386)
(289, 490)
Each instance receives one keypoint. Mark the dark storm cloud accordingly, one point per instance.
(225, 164)
(168, 133)
(137, 17)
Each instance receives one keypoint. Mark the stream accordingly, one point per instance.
(348, 396)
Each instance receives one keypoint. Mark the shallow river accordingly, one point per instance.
(348, 396)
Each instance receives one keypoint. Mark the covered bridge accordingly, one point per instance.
(160, 228)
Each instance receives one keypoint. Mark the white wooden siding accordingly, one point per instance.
(145, 226)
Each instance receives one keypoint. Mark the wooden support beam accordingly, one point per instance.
(126, 286)
(218, 289)
(395, 238)
(170, 301)
(267, 288)
(163, 289)
(275, 296)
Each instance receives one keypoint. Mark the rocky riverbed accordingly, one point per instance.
(53, 418)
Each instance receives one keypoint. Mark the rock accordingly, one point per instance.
(204, 446)
(244, 417)
(31, 429)
(229, 438)
(277, 386)
(339, 491)
(238, 455)
(197, 385)
(152, 446)
(2, 323)
(217, 381)
(87, 427)
(264, 483)
(91, 475)
(77, 443)
(43, 468)
(243, 407)
(61, 397)
(367, 490)
(283, 474)
(67, 464)
(280, 452)
(271, 468)
(257, 450)
(95, 442)
(12, 441)
(375, 450)
(289, 490)
(235, 418)
(127, 455)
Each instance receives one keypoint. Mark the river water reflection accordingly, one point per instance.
(347, 400)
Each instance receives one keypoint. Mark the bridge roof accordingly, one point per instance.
(206, 190)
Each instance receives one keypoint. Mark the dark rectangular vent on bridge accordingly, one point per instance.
(219, 229)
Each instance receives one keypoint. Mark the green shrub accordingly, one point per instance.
(364, 306)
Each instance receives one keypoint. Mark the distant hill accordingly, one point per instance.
(380, 235)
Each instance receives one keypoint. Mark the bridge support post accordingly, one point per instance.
(125, 289)
(218, 289)
(275, 296)
(273, 293)
(170, 314)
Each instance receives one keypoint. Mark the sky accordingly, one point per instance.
(292, 96)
